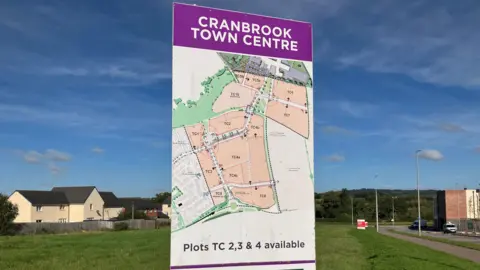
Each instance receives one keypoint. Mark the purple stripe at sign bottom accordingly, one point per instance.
(241, 264)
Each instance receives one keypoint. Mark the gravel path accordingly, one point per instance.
(465, 253)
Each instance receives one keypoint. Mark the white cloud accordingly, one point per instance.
(356, 110)
(124, 52)
(113, 113)
(304, 10)
(47, 159)
(430, 154)
(161, 144)
(98, 150)
(353, 109)
(449, 127)
(335, 158)
(35, 157)
(334, 130)
(68, 77)
(444, 51)
(32, 157)
(66, 71)
(455, 127)
(126, 72)
(54, 169)
(457, 120)
(431, 41)
(56, 155)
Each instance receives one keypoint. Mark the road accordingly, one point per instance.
(452, 237)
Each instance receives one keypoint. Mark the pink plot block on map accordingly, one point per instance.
(234, 95)
(292, 117)
(261, 197)
(227, 122)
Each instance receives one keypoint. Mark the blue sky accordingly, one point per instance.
(85, 92)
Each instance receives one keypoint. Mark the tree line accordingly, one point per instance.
(332, 205)
(338, 205)
(341, 205)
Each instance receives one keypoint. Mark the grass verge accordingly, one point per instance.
(469, 245)
(338, 247)
(148, 249)
(384, 252)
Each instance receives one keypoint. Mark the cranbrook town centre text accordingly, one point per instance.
(253, 34)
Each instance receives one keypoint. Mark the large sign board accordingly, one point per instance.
(242, 146)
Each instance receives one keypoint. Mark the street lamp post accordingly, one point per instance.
(458, 205)
(376, 201)
(351, 200)
(478, 201)
(474, 212)
(418, 193)
(434, 214)
(393, 210)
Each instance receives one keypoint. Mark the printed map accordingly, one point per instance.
(221, 157)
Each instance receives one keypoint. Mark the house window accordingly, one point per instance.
(39, 208)
(62, 220)
(91, 207)
(38, 221)
(62, 207)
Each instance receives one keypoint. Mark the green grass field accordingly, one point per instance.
(338, 247)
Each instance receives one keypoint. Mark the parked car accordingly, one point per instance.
(423, 224)
(449, 228)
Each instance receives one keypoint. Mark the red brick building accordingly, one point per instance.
(456, 205)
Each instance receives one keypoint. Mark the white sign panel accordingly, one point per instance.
(242, 147)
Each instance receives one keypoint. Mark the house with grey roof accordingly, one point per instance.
(65, 204)
(150, 208)
(167, 206)
(112, 206)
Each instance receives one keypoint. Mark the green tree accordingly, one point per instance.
(8, 213)
(337, 205)
(126, 215)
(161, 197)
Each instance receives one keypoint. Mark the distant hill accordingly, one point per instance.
(396, 192)
(391, 192)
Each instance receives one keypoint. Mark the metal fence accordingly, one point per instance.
(469, 226)
(58, 228)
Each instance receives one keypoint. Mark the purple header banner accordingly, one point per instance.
(222, 30)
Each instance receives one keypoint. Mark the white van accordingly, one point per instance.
(449, 228)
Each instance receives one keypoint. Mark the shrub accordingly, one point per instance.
(45, 231)
(159, 223)
(8, 213)
(127, 215)
(120, 226)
